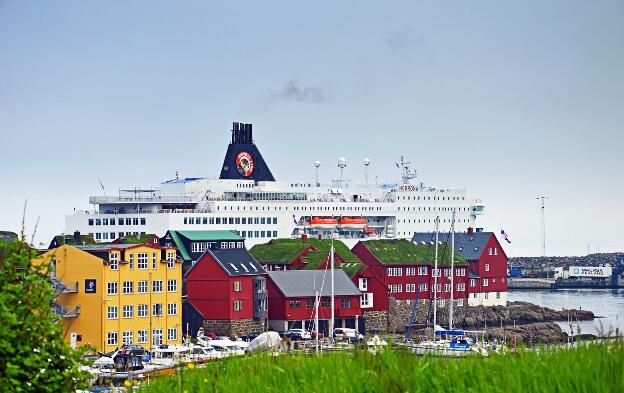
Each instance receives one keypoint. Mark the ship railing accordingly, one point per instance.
(133, 199)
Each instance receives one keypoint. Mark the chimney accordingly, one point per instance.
(470, 230)
(77, 236)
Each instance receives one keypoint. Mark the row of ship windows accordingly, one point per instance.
(112, 287)
(142, 337)
(408, 198)
(113, 235)
(435, 209)
(230, 220)
(311, 208)
(118, 221)
(409, 221)
(249, 234)
(112, 312)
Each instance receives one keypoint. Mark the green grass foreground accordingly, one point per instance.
(592, 368)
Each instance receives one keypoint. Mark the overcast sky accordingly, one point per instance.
(509, 100)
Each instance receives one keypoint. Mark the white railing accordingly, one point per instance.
(133, 199)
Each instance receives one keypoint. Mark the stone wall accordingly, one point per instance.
(376, 320)
(234, 327)
(399, 312)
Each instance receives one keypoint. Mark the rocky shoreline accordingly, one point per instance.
(518, 321)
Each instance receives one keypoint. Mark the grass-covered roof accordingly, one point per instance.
(285, 250)
(404, 251)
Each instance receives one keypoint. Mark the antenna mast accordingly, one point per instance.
(317, 164)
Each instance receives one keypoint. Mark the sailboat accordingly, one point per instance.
(446, 342)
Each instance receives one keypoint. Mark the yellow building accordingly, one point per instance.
(116, 294)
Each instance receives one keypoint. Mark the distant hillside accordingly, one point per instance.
(8, 236)
(552, 262)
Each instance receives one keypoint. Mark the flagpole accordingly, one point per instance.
(435, 274)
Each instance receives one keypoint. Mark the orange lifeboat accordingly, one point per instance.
(325, 223)
(353, 223)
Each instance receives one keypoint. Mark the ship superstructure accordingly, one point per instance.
(247, 198)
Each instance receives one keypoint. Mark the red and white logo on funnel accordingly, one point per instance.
(244, 163)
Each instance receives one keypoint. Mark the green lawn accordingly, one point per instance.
(404, 251)
(285, 250)
(593, 368)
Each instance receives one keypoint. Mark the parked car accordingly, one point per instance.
(298, 334)
(347, 334)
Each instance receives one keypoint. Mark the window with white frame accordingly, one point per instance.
(441, 302)
(486, 295)
(127, 337)
(112, 312)
(171, 259)
(237, 286)
(112, 288)
(142, 310)
(157, 310)
(114, 260)
(142, 261)
(172, 334)
(363, 283)
(473, 282)
(390, 270)
(154, 261)
(495, 250)
(498, 295)
(172, 309)
(157, 286)
(128, 287)
(127, 311)
(172, 285)
(447, 287)
(422, 287)
(485, 282)
(366, 300)
(487, 267)
(439, 288)
(111, 338)
(238, 305)
(157, 337)
(131, 261)
(142, 336)
(489, 250)
(399, 271)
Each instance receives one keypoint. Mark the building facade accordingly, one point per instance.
(227, 287)
(487, 284)
(110, 295)
(292, 295)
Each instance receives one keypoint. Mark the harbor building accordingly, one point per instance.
(190, 246)
(227, 288)
(406, 271)
(487, 285)
(292, 300)
(108, 295)
(248, 199)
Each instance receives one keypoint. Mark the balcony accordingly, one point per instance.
(61, 287)
(66, 311)
(149, 199)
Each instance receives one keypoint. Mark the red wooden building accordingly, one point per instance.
(487, 283)
(227, 287)
(291, 299)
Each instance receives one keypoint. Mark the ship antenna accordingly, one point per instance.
(317, 164)
(367, 162)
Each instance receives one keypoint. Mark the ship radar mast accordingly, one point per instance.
(407, 173)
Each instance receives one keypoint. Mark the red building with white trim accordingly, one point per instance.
(227, 287)
(487, 284)
(291, 299)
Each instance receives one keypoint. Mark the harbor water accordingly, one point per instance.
(608, 304)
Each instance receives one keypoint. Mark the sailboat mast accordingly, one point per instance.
(452, 269)
(316, 321)
(435, 273)
(331, 261)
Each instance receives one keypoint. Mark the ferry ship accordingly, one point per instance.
(248, 199)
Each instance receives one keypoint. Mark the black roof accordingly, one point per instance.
(468, 245)
(235, 262)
